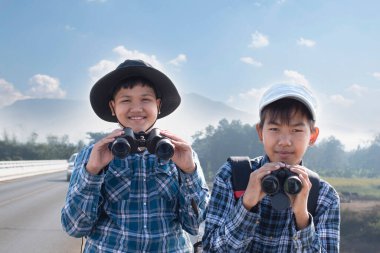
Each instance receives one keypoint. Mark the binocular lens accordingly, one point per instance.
(120, 148)
(164, 149)
(293, 185)
(270, 185)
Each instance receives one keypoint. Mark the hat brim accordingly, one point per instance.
(101, 92)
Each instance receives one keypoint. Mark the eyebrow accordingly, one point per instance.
(142, 95)
(296, 124)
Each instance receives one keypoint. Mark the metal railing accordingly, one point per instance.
(17, 169)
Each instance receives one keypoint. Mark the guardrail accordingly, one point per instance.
(16, 169)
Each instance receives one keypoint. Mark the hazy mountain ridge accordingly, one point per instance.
(74, 117)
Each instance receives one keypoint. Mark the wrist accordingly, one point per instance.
(190, 170)
(302, 220)
(248, 203)
(92, 170)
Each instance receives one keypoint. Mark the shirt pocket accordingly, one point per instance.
(117, 183)
(166, 180)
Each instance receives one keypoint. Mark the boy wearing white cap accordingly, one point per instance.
(260, 221)
(139, 188)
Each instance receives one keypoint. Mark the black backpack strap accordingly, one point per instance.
(241, 170)
(314, 192)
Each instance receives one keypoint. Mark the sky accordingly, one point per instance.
(228, 51)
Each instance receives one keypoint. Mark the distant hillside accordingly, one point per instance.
(74, 118)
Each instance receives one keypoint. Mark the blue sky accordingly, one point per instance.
(228, 51)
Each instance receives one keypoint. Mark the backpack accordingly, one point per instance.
(241, 170)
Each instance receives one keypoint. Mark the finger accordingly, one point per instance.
(110, 138)
(300, 170)
(272, 166)
(171, 136)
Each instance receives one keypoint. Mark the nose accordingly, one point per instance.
(136, 107)
(285, 140)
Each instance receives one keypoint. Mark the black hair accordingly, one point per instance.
(132, 82)
(283, 110)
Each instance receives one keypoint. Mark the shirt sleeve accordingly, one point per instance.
(229, 226)
(193, 198)
(323, 234)
(83, 199)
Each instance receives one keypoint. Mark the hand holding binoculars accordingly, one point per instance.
(278, 183)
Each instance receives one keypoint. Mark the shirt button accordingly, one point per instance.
(144, 226)
(144, 203)
(258, 222)
(295, 238)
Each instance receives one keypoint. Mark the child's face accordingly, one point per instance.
(287, 143)
(136, 107)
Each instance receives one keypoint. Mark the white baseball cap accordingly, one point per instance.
(288, 90)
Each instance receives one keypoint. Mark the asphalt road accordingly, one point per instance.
(30, 215)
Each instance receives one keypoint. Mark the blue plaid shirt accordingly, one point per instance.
(232, 228)
(136, 205)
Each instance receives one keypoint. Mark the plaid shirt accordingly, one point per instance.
(136, 205)
(232, 228)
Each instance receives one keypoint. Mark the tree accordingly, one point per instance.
(215, 145)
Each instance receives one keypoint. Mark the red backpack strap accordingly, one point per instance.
(241, 170)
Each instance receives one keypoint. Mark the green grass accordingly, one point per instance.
(367, 188)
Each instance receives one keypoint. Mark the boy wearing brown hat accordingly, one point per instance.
(273, 215)
(139, 188)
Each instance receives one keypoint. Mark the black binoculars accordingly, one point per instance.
(281, 179)
(131, 142)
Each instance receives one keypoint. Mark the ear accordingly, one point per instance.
(111, 104)
(259, 131)
(314, 136)
(158, 102)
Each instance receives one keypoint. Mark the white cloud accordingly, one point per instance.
(44, 86)
(247, 101)
(181, 58)
(357, 89)
(376, 75)
(340, 100)
(259, 40)
(105, 66)
(69, 28)
(100, 69)
(296, 77)
(306, 42)
(251, 61)
(124, 54)
(8, 94)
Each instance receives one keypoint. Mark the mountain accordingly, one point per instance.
(74, 118)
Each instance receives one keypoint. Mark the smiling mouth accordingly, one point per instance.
(136, 118)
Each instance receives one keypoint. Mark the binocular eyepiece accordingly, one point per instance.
(130, 142)
(281, 179)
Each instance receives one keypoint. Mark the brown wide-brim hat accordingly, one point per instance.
(101, 92)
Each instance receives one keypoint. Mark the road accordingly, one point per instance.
(30, 211)
(30, 215)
